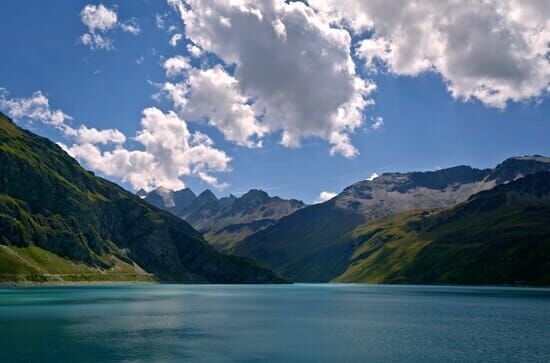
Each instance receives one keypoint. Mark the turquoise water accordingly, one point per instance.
(295, 323)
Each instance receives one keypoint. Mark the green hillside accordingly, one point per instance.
(500, 236)
(309, 245)
(60, 222)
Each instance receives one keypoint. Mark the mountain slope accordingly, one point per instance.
(60, 222)
(308, 245)
(227, 220)
(500, 236)
(175, 202)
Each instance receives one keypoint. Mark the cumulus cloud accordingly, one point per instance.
(96, 41)
(85, 135)
(377, 122)
(34, 108)
(176, 65)
(293, 72)
(175, 39)
(99, 20)
(98, 17)
(494, 51)
(193, 50)
(130, 26)
(170, 151)
(214, 94)
(167, 150)
(325, 196)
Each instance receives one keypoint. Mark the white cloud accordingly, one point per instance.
(279, 28)
(85, 135)
(100, 20)
(176, 65)
(294, 70)
(130, 26)
(377, 122)
(213, 94)
(160, 21)
(175, 39)
(35, 108)
(96, 41)
(167, 150)
(325, 196)
(372, 177)
(98, 17)
(194, 50)
(494, 51)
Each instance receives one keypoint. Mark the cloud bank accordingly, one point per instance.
(494, 51)
(100, 20)
(293, 74)
(166, 150)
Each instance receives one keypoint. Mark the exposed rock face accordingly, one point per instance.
(227, 220)
(299, 244)
(49, 204)
(172, 201)
(498, 236)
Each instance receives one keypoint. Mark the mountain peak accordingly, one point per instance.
(83, 223)
(255, 194)
(207, 194)
(519, 166)
(141, 193)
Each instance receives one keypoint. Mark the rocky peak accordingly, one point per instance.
(182, 200)
(205, 200)
(254, 196)
(519, 166)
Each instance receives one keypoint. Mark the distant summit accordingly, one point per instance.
(312, 244)
(226, 220)
(59, 222)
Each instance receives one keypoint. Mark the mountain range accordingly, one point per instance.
(59, 222)
(330, 241)
(498, 236)
(227, 220)
(317, 243)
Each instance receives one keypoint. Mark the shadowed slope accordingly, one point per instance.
(51, 208)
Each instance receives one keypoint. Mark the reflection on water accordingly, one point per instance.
(295, 323)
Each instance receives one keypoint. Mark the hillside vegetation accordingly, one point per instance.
(59, 221)
(500, 236)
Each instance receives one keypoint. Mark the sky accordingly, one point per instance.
(300, 99)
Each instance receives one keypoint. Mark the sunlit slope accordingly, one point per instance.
(500, 236)
(57, 218)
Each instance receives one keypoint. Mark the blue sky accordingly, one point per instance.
(424, 125)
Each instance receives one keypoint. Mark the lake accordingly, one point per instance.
(282, 323)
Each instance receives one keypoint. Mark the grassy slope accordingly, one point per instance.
(50, 205)
(501, 236)
(318, 257)
(39, 265)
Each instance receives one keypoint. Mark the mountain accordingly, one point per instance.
(174, 202)
(311, 244)
(227, 220)
(59, 222)
(499, 236)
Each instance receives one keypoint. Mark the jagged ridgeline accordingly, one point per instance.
(225, 221)
(59, 222)
(498, 236)
(345, 240)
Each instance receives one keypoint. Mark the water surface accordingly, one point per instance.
(294, 323)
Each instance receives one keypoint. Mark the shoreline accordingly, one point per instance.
(26, 284)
